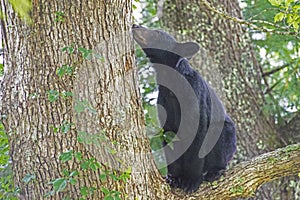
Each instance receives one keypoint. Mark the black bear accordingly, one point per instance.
(187, 106)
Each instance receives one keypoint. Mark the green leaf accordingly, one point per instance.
(94, 166)
(111, 151)
(1, 69)
(85, 138)
(288, 2)
(125, 175)
(86, 53)
(64, 157)
(66, 127)
(170, 136)
(84, 191)
(295, 25)
(60, 16)
(74, 173)
(156, 142)
(28, 178)
(105, 190)
(103, 177)
(59, 184)
(66, 172)
(279, 17)
(55, 129)
(109, 197)
(67, 94)
(69, 49)
(78, 156)
(296, 8)
(23, 9)
(114, 177)
(53, 95)
(276, 2)
(64, 70)
(73, 181)
(84, 165)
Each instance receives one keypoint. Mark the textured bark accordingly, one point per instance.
(33, 54)
(228, 62)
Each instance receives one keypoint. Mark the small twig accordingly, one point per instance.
(275, 70)
(273, 86)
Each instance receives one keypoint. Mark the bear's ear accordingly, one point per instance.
(187, 49)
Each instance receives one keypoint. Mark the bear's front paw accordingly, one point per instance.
(190, 185)
(172, 181)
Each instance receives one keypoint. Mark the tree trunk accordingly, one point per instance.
(70, 102)
(228, 63)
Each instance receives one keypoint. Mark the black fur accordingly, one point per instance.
(186, 170)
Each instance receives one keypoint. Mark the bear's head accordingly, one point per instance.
(159, 45)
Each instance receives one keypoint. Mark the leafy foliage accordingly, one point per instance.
(60, 16)
(53, 95)
(289, 11)
(1, 69)
(7, 190)
(87, 163)
(60, 184)
(279, 55)
(64, 70)
(23, 8)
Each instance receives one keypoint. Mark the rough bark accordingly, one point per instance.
(105, 81)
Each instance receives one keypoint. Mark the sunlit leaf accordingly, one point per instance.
(279, 17)
(23, 8)
(59, 184)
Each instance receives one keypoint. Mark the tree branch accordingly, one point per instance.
(245, 178)
(275, 70)
(269, 89)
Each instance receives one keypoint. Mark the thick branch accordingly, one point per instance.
(245, 178)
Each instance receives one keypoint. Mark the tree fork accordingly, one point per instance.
(244, 179)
